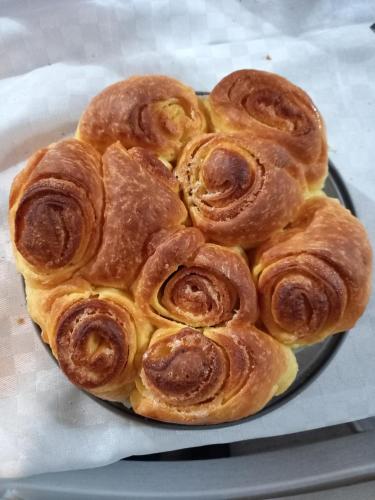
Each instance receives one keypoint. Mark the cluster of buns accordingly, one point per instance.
(178, 248)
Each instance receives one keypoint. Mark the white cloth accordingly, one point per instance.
(54, 56)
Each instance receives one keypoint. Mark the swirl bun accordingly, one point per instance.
(96, 335)
(92, 347)
(314, 277)
(222, 374)
(155, 112)
(270, 106)
(189, 281)
(56, 207)
(231, 183)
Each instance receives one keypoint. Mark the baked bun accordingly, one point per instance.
(218, 375)
(55, 211)
(269, 106)
(239, 189)
(195, 283)
(141, 199)
(97, 335)
(155, 112)
(314, 277)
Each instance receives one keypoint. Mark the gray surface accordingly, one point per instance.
(299, 464)
(363, 491)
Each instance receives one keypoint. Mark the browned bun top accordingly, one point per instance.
(189, 281)
(186, 368)
(155, 112)
(141, 199)
(314, 277)
(58, 200)
(217, 375)
(239, 189)
(92, 343)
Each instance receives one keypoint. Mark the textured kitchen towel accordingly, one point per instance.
(54, 56)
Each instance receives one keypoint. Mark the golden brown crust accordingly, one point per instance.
(138, 204)
(159, 169)
(56, 206)
(270, 106)
(97, 335)
(219, 375)
(314, 277)
(155, 112)
(192, 282)
(238, 189)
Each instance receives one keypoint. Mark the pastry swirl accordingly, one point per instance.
(270, 106)
(195, 283)
(155, 112)
(238, 189)
(314, 277)
(97, 335)
(222, 374)
(91, 340)
(56, 207)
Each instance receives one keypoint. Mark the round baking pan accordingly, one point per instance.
(311, 360)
